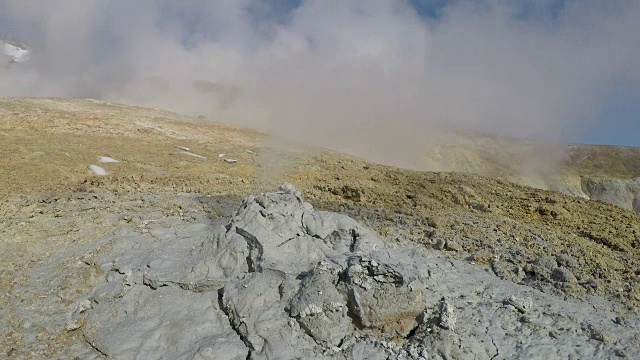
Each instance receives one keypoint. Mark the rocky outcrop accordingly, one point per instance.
(281, 280)
(624, 193)
(621, 192)
(564, 183)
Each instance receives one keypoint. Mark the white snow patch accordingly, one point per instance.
(106, 159)
(98, 170)
(16, 53)
(188, 153)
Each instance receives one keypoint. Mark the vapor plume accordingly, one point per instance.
(374, 78)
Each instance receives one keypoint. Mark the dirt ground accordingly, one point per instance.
(50, 200)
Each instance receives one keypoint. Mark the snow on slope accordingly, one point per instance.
(15, 53)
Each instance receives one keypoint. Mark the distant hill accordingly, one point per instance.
(600, 172)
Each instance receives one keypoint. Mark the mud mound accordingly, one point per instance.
(281, 280)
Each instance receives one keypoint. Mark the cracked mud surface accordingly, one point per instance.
(57, 220)
(182, 288)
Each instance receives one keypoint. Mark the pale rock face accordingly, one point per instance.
(15, 53)
(624, 193)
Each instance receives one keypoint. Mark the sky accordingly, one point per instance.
(375, 78)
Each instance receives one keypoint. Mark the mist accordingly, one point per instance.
(372, 78)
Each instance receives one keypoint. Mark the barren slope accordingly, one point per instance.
(53, 210)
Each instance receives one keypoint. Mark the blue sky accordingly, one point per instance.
(618, 122)
(566, 70)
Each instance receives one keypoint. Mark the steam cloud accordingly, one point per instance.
(372, 78)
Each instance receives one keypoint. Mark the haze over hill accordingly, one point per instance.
(380, 80)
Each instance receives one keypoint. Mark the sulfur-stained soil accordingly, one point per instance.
(54, 210)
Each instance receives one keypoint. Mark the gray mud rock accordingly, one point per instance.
(283, 232)
(448, 316)
(320, 308)
(384, 294)
(624, 193)
(165, 323)
(257, 313)
(283, 281)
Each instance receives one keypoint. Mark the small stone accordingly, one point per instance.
(452, 245)
(523, 305)
(432, 222)
(593, 333)
(439, 244)
(566, 261)
(525, 319)
(620, 353)
(74, 324)
(554, 334)
(447, 315)
(413, 351)
(563, 275)
(351, 193)
(482, 257)
(545, 264)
